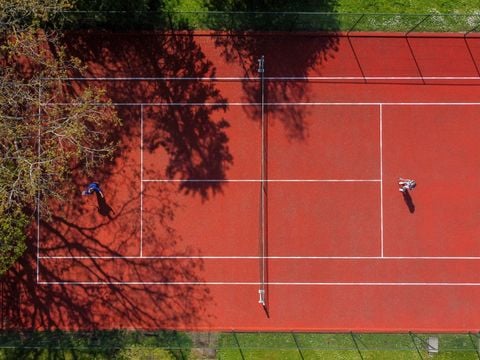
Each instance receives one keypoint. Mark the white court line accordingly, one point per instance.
(270, 257)
(270, 78)
(381, 178)
(256, 257)
(257, 283)
(38, 192)
(141, 180)
(260, 180)
(226, 104)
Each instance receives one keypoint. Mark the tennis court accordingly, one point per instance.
(233, 181)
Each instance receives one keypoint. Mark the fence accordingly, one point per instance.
(238, 345)
(269, 21)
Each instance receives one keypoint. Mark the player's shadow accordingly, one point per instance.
(408, 201)
(103, 208)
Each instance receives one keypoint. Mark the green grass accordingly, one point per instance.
(231, 346)
(287, 346)
(408, 6)
(463, 15)
(118, 344)
(340, 6)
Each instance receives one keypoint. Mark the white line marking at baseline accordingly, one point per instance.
(141, 180)
(255, 283)
(255, 257)
(271, 78)
(381, 178)
(39, 145)
(224, 104)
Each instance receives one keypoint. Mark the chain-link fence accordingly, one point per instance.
(346, 346)
(269, 21)
(237, 345)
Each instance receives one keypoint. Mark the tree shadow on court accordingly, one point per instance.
(90, 275)
(291, 49)
(101, 282)
(91, 290)
(97, 286)
(193, 139)
(407, 198)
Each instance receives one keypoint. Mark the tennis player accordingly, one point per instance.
(406, 184)
(93, 188)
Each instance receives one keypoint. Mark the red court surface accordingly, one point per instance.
(204, 200)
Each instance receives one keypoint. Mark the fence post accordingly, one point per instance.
(475, 343)
(416, 25)
(473, 29)
(180, 347)
(238, 345)
(356, 22)
(413, 336)
(477, 347)
(298, 346)
(356, 345)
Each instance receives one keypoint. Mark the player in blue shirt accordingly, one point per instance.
(93, 188)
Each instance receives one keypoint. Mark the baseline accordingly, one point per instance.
(244, 271)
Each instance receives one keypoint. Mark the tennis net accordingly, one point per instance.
(263, 188)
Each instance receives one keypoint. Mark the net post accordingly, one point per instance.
(261, 64)
(261, 295)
